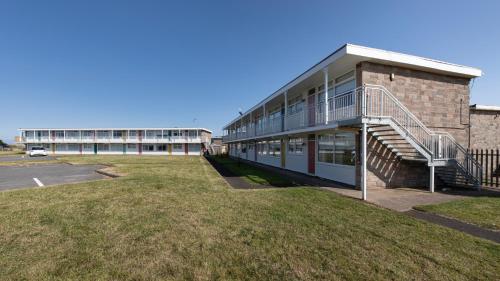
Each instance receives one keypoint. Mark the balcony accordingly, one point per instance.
(345, 106)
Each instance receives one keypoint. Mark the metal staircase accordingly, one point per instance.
(393, 125)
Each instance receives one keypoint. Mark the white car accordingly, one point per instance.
(37, 151)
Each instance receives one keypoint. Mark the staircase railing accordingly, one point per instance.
(378, 102)
(449, 149)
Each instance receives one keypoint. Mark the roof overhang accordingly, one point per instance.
(410, 61)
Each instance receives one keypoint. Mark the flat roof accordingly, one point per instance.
(361, 53)
(104, 129)
(485, 107)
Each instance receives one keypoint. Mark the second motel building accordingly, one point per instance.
(408, 115)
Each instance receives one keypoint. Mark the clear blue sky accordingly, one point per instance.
(187, 63)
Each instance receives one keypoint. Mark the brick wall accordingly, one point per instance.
(485, 129)
(441, 102)
(385, 170)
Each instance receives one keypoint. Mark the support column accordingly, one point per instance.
(325, 72)
(363, 162)
(431, 179)
(264, 120)
(285, 125)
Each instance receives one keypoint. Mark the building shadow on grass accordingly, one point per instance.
(244, 174)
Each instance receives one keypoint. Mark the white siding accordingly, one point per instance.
(341, 173)
(269, 160)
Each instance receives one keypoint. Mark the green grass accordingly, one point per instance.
(177, 219)
(252, 174)
(481, 211)
(11, 152)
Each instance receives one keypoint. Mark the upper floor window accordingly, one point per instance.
(117, 134)
(103, 134)
(72, 134)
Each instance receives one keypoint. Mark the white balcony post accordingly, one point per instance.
(431, 179)
(251, 123)
(363, 162)
(285, 125)
(325, 72)
(64, 135)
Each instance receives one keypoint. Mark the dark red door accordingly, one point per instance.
(311, 154)
(311, 106)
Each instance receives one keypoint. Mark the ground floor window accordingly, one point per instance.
(262, 148)
(296, 145)
(148, 147)
(194, 147)
(177, 146)
(73, 147)
(275, 148)
(243, 148)
(345, 148)
(162, 147)
(103, 147)
(325, 148)
(251, 146)
(131, 146)
(116, 147)
(338, 148)
(88, 147)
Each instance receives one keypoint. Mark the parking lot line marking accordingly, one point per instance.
(40, 184)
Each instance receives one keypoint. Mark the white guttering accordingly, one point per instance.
(411, 60)
(485, 107)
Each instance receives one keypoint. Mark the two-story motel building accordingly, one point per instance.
(139, 141)
(365, 117)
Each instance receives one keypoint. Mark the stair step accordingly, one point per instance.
(415, 159)
(380, 129)
(385, 133)
(399, 145)
(390, 138)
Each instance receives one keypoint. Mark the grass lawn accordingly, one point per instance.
(177, 219)
(10, 152)
(252, 174)
(482, 211)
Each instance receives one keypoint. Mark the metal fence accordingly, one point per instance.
(490, 161)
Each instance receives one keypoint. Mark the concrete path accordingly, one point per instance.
(457, 225)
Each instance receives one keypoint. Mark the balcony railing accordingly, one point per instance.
(90, 139)
(343, 106)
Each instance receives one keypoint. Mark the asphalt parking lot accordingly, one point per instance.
(13, 177)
